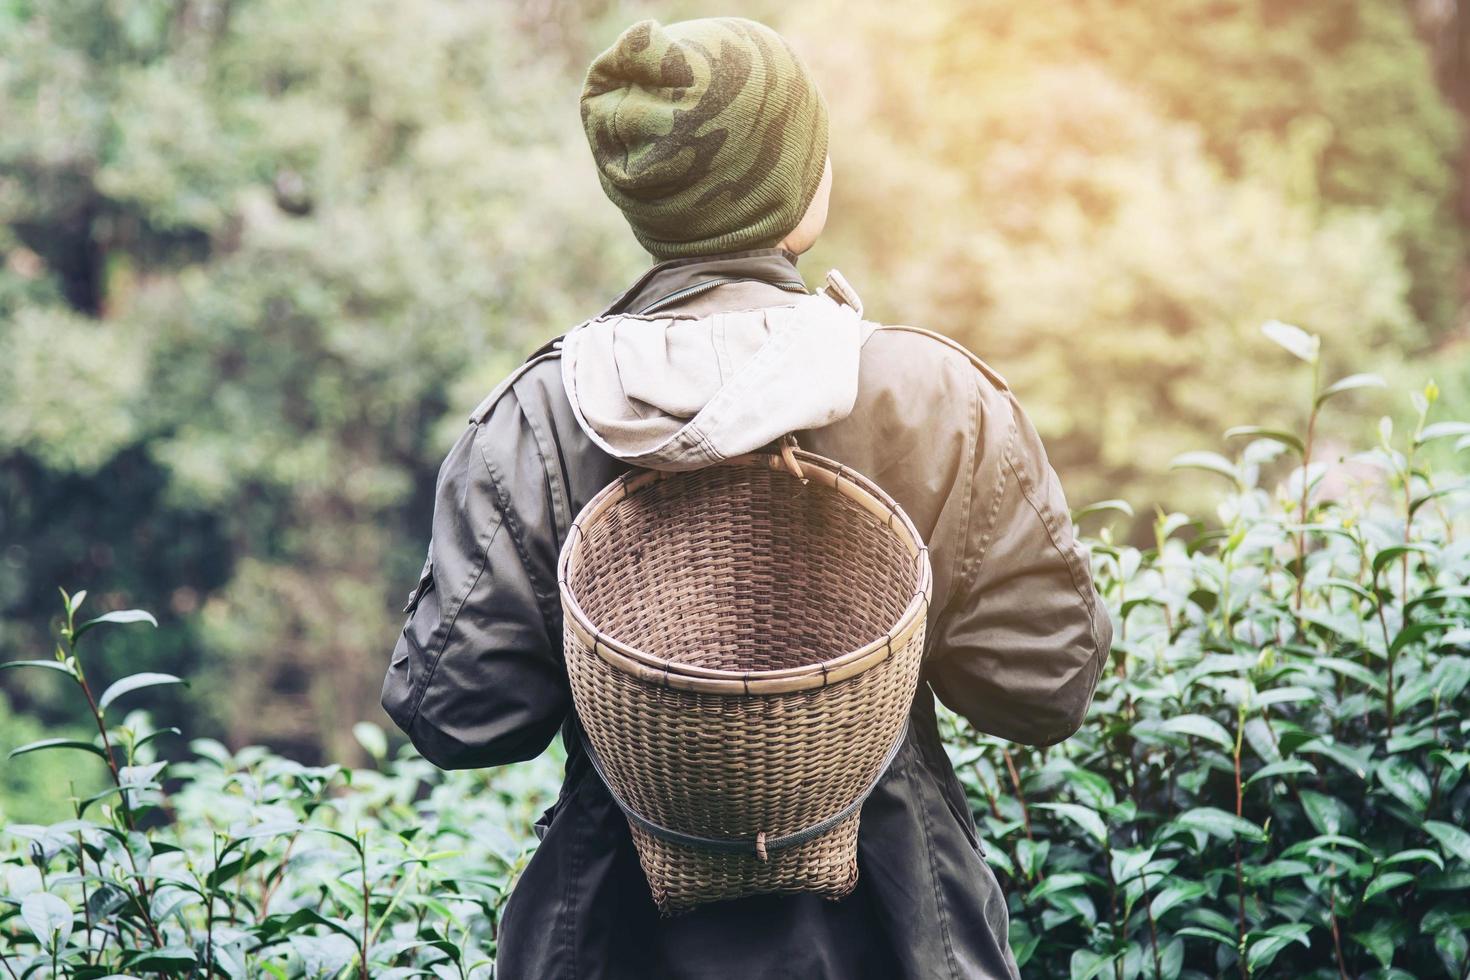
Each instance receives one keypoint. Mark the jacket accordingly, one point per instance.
(1016, 639)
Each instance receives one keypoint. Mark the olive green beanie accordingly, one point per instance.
(708, 134)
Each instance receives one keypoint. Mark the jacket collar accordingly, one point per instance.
(667, 283)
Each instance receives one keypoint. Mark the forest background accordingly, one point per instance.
(259, 258)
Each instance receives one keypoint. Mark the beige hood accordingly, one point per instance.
(679, 392)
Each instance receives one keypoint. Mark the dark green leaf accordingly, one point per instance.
(58, 743)
(169, 960)
(1200, 727)
(1394, 553)
(1286, 767)
(1084, 817)
(1386, 882)
(1329, 815)
(1218, 823)
(1175, 894)
(1415, 854)
(1455, 841)
(1406, 781)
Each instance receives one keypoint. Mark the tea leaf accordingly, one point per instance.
(1454, 840)
(134, 682)
(1293, 339)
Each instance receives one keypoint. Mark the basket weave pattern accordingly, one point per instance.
(743, 650)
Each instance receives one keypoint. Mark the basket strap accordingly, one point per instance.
(748, 846)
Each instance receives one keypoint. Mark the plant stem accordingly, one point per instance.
(366, 910)
(143, 900)
(1113, 907)
(1153, 932)
(209, 914)
(86, 903)
(1301, 535)
(1388, 654)
(1336, 936)
(1239, 875)
(1016, 782)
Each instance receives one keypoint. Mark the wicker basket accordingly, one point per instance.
(743, 648)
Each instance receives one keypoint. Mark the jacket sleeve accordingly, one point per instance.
(476, 678)
(1020, 647)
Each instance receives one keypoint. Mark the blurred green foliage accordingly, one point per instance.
(259, 258)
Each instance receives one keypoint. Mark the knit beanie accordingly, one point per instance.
(708, 134)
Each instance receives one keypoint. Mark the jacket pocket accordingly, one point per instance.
(543, 822)
(952, 791)
(426, 582)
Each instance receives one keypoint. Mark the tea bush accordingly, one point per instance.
(1271, 780)
(1270, 783)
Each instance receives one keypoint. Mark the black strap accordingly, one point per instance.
(747, 846)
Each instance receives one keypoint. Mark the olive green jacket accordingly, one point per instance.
(1017, 637)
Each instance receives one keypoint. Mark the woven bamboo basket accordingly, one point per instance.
(743, 644)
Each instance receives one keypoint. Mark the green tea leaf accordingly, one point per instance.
(1415, 854)
(1286, 767)
(1218, 823)
(1386, 882)
(134, 682)
(56, 665)
(1085, 964)
(47, 917)
(1328, 814)
(1293, 339)
(1209, 462)
(1101, 507)
(1389, 555)
(1442, 430)
(58, 743)
(1200, 727)
(120, 617)
(1084, 817)
(1275, 435)
(1352, 382)
(1406, 781)
(1174, 895)
(169, 960)
(1454, 840)
(1353, 671)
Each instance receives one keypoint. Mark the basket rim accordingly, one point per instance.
(663, 672)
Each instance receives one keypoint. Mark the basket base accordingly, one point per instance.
(681, 877)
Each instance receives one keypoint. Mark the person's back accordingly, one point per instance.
(716, 351)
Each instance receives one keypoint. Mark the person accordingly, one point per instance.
(711, 137)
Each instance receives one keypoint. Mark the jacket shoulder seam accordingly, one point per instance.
(483, 410)
(513, 526)
(990, 373)
(997, 494)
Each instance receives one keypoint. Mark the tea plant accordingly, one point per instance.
(1271, 781)
(248, 864)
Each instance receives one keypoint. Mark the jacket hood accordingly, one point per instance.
(680, 391)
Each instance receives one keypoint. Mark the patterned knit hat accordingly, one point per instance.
(708, 134)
